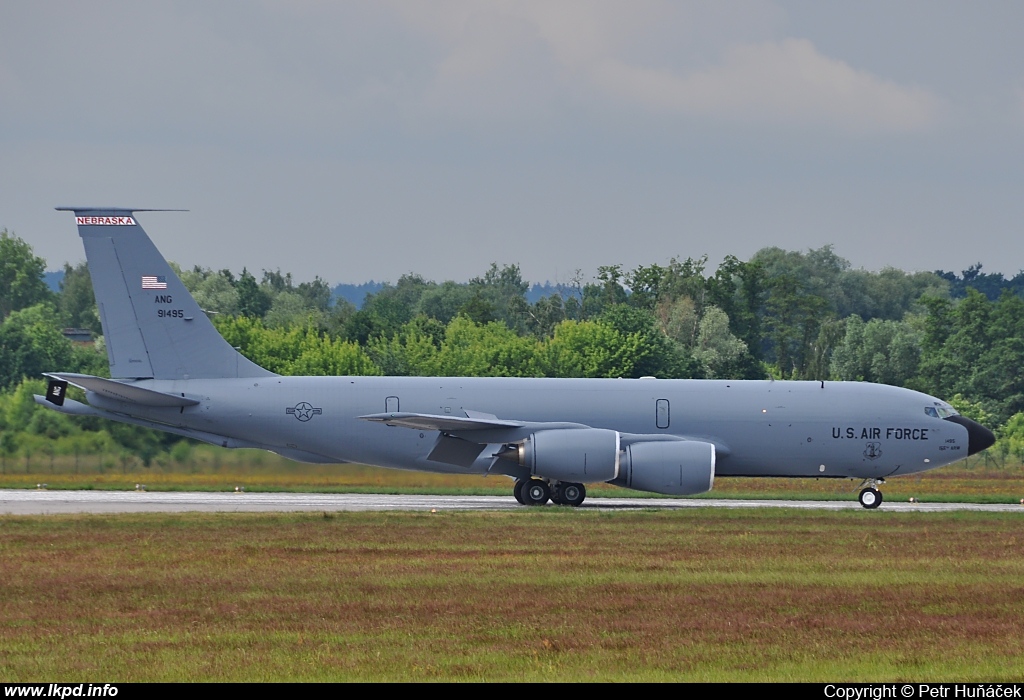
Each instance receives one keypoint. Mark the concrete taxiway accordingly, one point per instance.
(37, 502)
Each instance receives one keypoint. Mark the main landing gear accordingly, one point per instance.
(537, 492)
(870, 497)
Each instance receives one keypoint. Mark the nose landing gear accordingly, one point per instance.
(870, 497)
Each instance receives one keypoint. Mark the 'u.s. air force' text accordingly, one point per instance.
(862, 433)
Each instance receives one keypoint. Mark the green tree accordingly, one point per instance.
(738, 288)
(999, 378)
(215, 292)
(76, 302)
(717, 350)
(478, 309)
(503, 290)
(1011, 437)
(21, 406)
(410, 352)
(385, 312)
(685, 278)
(291, 309)
(882, 351)
(30, 344)
(21, 276)
(793, 316)
(645, 286)
(317, 294)
(656, 355)
(253, 301)
(443, 302)
(483, 350)
(545, 314)
(296, 350)
(588, 349)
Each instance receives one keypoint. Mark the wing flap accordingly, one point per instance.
(451, 450)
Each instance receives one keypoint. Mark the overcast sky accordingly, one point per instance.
(362, 140)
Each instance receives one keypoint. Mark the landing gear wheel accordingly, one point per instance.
(557, 496)
(573, 494)
(536, 492)
(870, 498)
(517, 491)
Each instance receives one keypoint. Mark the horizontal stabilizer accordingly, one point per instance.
(444, 423)
(119, 391)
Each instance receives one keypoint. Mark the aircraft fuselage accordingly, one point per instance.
(759, 428)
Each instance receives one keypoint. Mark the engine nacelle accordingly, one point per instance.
(581, 455)
(678, 468)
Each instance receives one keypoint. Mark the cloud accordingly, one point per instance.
(502, 57)
(787, 82)
(264, 71)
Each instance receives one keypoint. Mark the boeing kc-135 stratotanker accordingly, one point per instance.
(171, 370)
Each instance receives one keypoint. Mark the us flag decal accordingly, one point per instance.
(154, 282)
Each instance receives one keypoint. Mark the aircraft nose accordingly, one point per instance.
(978, 436)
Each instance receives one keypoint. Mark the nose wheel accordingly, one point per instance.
(870, 497)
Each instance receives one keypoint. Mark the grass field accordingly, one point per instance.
(214, 469)
(539, 594)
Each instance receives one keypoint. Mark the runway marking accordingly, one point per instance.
(33, 502)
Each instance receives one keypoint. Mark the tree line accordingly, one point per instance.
(781, 314)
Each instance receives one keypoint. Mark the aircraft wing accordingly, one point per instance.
(464, 439)
(119, 391)
(444, 423)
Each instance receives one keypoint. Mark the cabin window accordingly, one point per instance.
(661, 413)
(938, 411)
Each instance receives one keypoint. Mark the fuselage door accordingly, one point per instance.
(391, 404)
(661, 413)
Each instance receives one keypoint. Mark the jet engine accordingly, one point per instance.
(583, 455)
(678, 468)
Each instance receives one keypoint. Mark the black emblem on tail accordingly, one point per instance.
(55, 392)
(304, 411)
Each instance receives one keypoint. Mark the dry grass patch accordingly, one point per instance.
(549, 595)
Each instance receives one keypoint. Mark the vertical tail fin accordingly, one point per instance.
(152, 326)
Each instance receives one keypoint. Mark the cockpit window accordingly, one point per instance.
(939, 411)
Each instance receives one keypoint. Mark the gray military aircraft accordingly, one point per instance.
(173, 371)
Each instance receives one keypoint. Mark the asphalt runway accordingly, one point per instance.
(39, 502)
